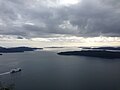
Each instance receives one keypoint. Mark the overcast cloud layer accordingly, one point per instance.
(45, 18)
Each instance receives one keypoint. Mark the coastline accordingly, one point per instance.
(93, 53)
(17, 49)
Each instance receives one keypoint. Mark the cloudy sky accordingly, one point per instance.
(56, 22)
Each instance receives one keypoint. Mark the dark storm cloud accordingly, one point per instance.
(39, 18)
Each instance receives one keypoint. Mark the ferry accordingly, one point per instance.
(15, 70)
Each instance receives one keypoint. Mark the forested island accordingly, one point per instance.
(109, 53)
(16, 49)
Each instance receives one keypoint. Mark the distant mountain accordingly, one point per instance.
(97, 52)
(54, 47)
(16, 49)
(101, 48)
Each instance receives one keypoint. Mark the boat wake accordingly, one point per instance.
(1, 74)
(12, 71)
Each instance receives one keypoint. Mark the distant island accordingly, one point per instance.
(101, 48)
(16, 49)
(54, 47)
(109, 53)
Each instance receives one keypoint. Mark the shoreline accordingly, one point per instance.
(93, 53)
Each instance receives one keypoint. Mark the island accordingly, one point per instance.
(17, 49)
(101, 48)
(101, 53)
(54, 47)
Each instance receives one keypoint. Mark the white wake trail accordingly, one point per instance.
(4, 73)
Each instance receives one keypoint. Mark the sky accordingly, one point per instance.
(42, 23)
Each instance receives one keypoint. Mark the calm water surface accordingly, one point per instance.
(45, 70)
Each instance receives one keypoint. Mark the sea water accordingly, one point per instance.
(45, 70)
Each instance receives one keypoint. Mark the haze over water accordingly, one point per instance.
(45, 70)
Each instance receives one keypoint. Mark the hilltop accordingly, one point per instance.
(16, 49)
(101, 52)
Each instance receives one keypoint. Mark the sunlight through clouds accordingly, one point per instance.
(69, 2)
(61, 21)
(59, 40)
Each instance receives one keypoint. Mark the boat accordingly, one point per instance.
(15, 70)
